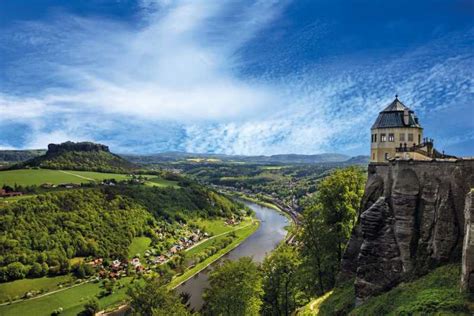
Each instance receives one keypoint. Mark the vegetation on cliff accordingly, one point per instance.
(435, 293)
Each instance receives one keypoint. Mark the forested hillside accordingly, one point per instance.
(13, 156)
(40, 234)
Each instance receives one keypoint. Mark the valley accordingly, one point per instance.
(79, 238)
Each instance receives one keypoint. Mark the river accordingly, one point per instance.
(270, 232)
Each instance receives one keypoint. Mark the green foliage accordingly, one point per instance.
(268, 180)
(326, 226)
(435, 293)
(19, 155)
(235, 289)
(92, 306)
(154, 299)
(53, 227)
(340, 302)
(179, 204)
(281, 282)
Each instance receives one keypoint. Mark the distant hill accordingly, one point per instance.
(79, 156)
(358, 160)
(276, 159)
(14, 156)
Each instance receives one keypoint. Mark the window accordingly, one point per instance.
(391, 137)
(373, 156)
(410, 137)
(383, 137)
(419, 139)
(375, 138)
(402, 137)
(372, 138)
(386, 156)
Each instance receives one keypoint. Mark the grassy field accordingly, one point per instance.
(138, 245)
(159, 182)
(16, 289)
(40, 176)
(71, 300)
(216, 226)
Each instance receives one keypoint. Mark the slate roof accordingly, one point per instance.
(392, 116)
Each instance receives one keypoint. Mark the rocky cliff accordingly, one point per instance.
(412, 219)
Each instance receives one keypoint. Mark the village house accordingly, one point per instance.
(4, 193)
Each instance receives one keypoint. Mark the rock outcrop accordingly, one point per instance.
(71, 146)
(412, 219)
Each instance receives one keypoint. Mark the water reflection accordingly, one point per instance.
(264, 240)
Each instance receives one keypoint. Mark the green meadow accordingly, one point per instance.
(40, 176)
(242, 232)
(138, 245)
(16, 289)
(72, 300)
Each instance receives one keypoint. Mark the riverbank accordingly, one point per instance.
(287, 212)
(270, 233)
(242, 234)
(72, 299)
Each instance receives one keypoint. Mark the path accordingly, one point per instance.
(45, 294)
(218, 235)
(76, 175)
(70, 287)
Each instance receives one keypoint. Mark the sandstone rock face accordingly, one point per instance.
(467, 277)
(412, 219)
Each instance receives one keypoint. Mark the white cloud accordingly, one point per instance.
(175, 75)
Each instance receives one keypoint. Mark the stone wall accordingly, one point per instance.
(411, 220)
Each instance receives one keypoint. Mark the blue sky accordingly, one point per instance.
(235, 77)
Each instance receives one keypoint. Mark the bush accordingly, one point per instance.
(92, 306)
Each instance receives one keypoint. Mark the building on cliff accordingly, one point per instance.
(397, 134)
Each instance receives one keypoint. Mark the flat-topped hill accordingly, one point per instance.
(79, 156)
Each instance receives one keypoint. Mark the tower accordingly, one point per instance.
(396, 133)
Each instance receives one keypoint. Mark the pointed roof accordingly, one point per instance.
(392, 116)
(396, 106)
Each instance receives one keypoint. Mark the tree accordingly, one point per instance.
(92, 306)
(153, 298)
(326, 226)
(16, 270)
(235, 289)
(339, 197)
(36, 270)
(281, 281)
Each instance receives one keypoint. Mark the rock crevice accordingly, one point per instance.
(412, 219)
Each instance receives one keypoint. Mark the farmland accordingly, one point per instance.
(27, 177)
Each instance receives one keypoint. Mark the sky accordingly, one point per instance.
(244, 77)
